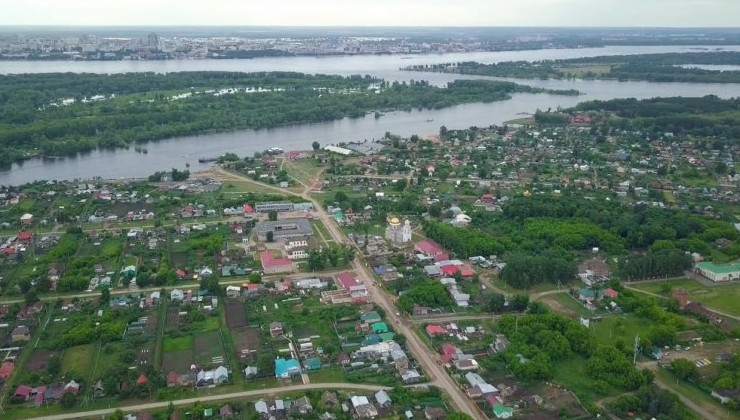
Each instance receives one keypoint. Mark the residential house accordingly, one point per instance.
(177, 295)
(6, 370)
(276, 329)
(22, 393)
(262, 409)
(329, 399)
(226, 412)
(233, 291)
(383, 399)
(20, 333)
(409, 376)
(286, 368)
(362, 407)
(726, 395)
(500, 343)
(434, 330)
(435, 413)
(272, 265)
(303, 405)
(502, 412)
(250, 372)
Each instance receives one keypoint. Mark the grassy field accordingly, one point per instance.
(572, 374)
(233, 186)
(302, 169)
(321, 231)
(521, 121)
(109, 355)
(209, 324)
(333, 374)
(78, 359)
(619, 327)
(173, 344)
(566, 305)
(723, 297)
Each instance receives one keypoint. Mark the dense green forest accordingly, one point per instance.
(116, 110)
(706, 116)
(667, 67)
(541, 237)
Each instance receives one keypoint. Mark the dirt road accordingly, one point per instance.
(211, 398)
(436, 373)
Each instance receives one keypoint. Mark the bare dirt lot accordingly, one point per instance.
(236, 314)
(247, 342)
(177, 361)
(38, 360)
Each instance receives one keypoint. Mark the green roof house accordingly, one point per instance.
(371, 317)
(380, 327)
(313, 363)
(502, 412)
(719, 272)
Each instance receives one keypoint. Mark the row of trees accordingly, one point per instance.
(318, 259)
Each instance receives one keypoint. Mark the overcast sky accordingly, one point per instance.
(373, 12)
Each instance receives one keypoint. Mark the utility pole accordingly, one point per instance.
(636, 349)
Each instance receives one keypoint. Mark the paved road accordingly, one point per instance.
(211, 398)
(436, 373)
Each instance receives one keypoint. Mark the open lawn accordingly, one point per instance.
(78, 359)
(321, 231)
(723, 297)
(302, 169)
(566, 305)
(173, 344)
(233, 186)
(620, 327)
(209, 324)
(333, 374)
(110, 354)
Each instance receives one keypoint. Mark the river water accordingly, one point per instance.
(176, 152)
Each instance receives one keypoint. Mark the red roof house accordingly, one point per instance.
(247, 208)
(467, 272)
(275, 265)
(173, 379)
(22, 392)
(487, 198)
(347, 280)
(25, 236)
(448, 270)
(434, 329)
(449, 352)
(6, 370)
(429, 247)
(611, 293)
(142, 379)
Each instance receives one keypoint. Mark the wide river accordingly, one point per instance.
(177, 152)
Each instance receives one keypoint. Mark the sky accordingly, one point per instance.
(640, 13)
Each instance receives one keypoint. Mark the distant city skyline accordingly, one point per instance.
(591, 13)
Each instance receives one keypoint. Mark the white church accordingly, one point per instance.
(398, 234)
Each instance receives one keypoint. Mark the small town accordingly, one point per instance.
(556, 266)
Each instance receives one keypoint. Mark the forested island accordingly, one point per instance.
(61, 114)
(668, 67)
